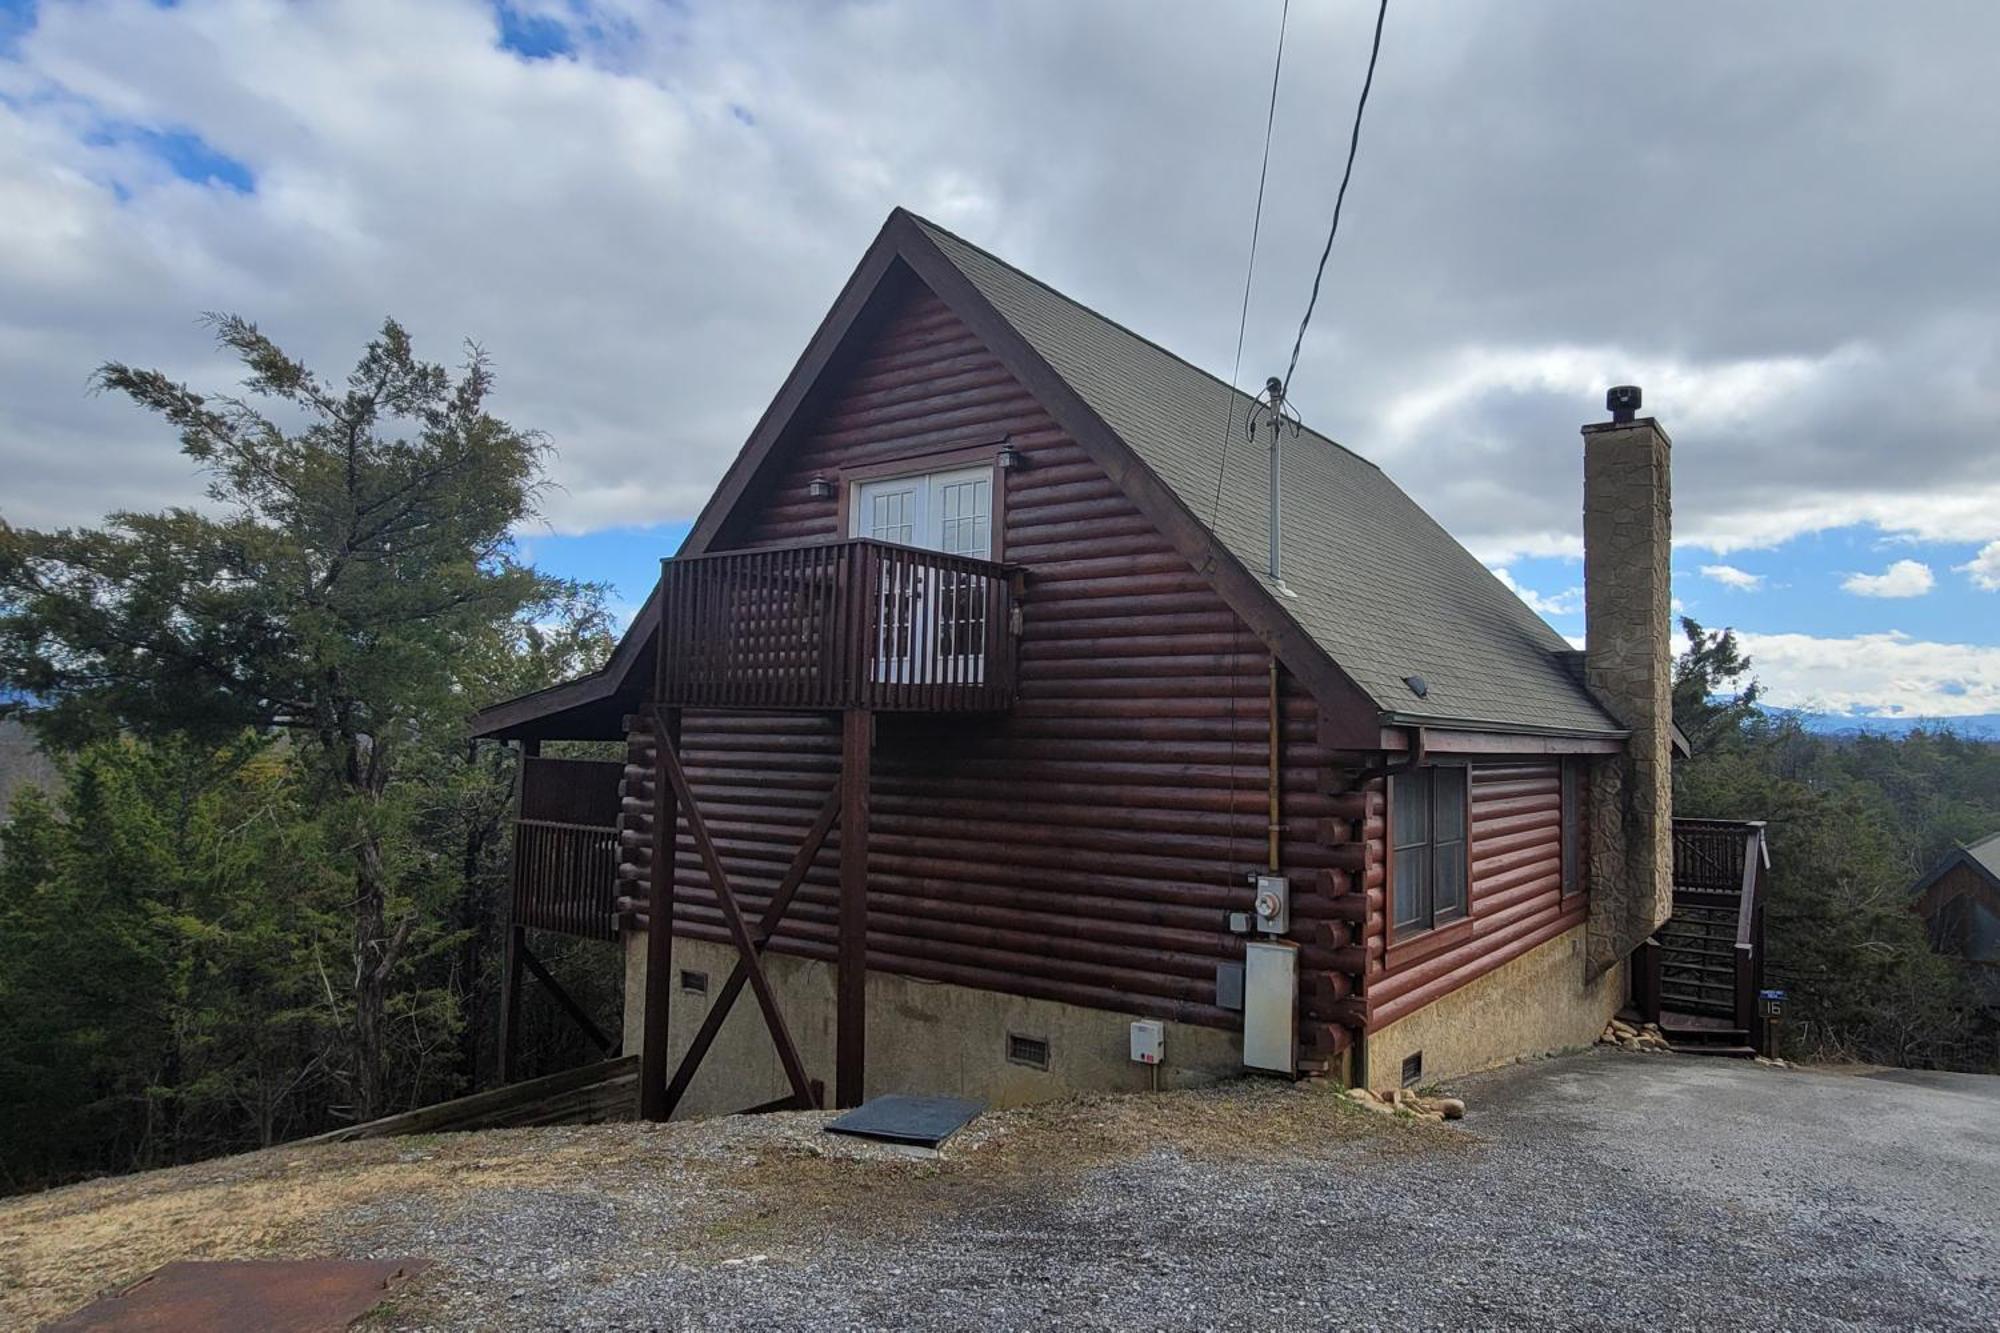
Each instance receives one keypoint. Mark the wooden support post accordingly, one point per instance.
(767, 925)
(739, 931)
(577, 1014)
(510, 966)
(660, 921)
(510, 1000)
(857, 742)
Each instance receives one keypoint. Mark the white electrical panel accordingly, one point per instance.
(1149, 1041)
(1270, 1005)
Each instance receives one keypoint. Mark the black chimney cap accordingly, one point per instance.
(1622, 402)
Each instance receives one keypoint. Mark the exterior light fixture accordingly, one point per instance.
(1009, 459)
(819, 488)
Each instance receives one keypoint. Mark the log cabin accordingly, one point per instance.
(1029, 711)
(1959, 901)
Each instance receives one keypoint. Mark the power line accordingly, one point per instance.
(1250, 268)
(1353, 146)
(1236, 368)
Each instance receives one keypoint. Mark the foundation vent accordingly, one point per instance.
(1413, 1068)
(694, 982)
(1030, 1051)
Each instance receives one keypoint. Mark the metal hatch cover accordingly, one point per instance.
(274, 1296)
(923, 1121)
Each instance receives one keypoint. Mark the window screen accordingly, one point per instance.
(1430, 868)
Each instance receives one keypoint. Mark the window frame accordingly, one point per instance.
(1430, 921)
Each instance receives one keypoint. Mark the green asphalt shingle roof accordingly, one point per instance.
(1385, 590)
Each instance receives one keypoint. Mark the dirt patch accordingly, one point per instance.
(696, 1192)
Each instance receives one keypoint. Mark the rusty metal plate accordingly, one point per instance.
(275, 1296)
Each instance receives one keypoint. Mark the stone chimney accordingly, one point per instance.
(1628, 665)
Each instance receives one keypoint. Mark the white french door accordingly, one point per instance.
(932, 625)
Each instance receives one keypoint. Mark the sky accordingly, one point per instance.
(1778, 219)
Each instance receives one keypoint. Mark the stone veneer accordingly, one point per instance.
(1627, 540)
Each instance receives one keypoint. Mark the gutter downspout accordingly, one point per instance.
(1276, 738)
(1413, 759)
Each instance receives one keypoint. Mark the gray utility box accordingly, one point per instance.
(1270, 1005)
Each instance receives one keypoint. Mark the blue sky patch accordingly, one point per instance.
(1797, 587)
(185, 153)
(626, 558)
(532, 36)
(16, 18)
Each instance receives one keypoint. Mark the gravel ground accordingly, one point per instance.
(1600, 1190)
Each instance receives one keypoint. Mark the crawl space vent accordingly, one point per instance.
(1030, 1051)
(696, 982)
(1413, 1067)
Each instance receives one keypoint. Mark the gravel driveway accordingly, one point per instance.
(1601, 1190)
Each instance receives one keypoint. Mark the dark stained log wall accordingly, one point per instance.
(1517, 899)
(1086, 846)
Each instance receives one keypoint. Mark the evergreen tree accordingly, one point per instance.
(358, 556)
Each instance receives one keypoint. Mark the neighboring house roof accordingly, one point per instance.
(1982, 858)
(1374, 585)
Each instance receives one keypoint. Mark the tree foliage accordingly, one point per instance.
(347, 598)
(1853, 822)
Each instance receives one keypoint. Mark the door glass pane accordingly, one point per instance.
(892, 516)
(965, 517)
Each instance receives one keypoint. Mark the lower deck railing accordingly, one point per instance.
(566, 877)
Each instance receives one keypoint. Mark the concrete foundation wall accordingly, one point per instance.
(923, 1037)
(1537, 1004)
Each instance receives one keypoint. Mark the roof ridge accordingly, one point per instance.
(1125, 329)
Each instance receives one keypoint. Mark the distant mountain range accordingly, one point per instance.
(1985, 726)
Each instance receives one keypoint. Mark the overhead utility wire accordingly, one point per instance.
(1236, 368)
(1353, 146)
(1250, 269)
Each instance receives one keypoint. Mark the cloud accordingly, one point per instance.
(1984, 569)
(643, 210)
(1732, 577)
(1568, 602)
(1905, 578)
(1884, 675)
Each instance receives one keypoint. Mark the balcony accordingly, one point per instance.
(855, 624)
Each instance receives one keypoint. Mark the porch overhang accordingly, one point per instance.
(589, 708)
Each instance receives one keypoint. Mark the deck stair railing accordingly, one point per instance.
(1703, 969)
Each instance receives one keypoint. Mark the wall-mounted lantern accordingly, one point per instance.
(1010, 459)
(819, 488)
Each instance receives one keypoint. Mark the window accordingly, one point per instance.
(1429, 870)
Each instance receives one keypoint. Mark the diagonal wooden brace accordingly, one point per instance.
(767, 926)
(739, 929)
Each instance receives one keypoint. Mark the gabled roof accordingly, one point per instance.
(1982, 858)
(1385, 590)
(1376, 590)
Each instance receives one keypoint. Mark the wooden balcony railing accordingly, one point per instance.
(851, 624)
(566, 877)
